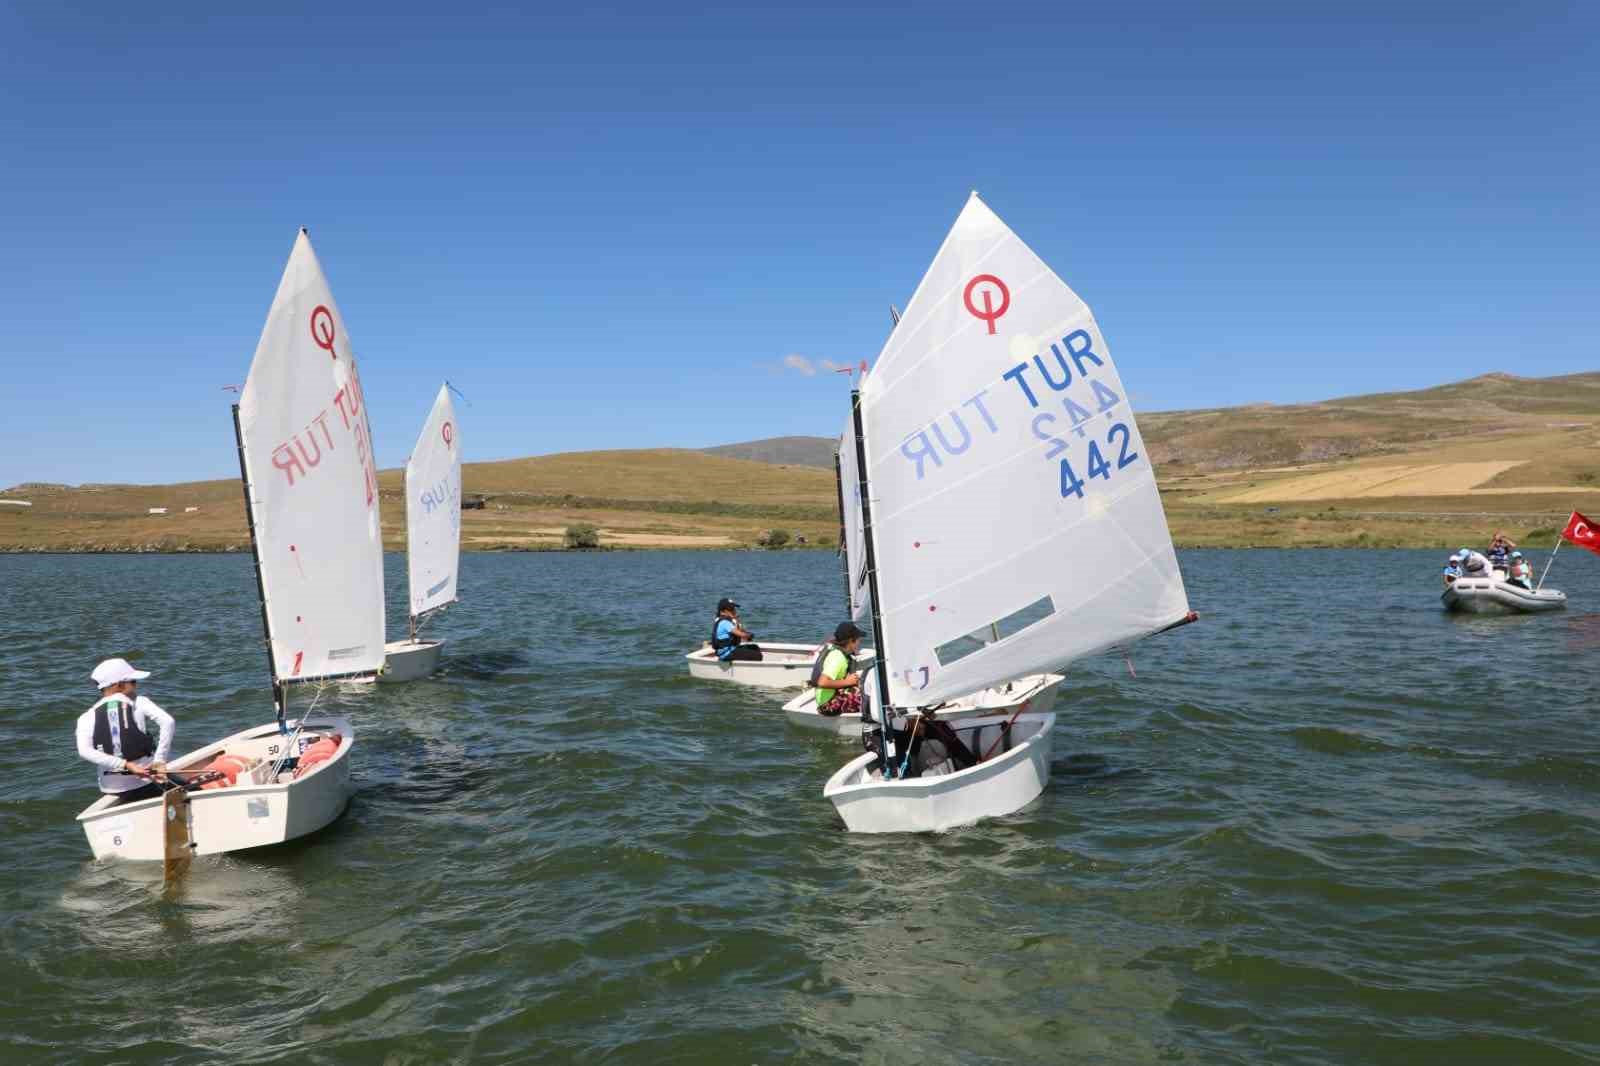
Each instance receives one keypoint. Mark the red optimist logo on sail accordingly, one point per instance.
(1582, 531)
(987, 287)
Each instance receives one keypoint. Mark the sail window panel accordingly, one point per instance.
(994, 632)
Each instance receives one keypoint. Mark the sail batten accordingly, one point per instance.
(433, 509)
(1017, 524)
(305, 445)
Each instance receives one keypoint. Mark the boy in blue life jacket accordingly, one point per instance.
(728, 636)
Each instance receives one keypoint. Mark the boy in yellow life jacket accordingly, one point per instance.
(838, 683)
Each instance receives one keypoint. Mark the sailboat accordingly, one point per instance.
(1035, 694)
(1011, 524)
(433, 537)
(311, 498)
(789, 665)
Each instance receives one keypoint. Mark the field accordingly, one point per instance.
(1435, 468)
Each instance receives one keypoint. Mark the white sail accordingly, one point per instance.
(433, 508)
(855, 544)
(1015, 515)
(314, 484)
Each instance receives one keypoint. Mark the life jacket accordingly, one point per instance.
(822, 658)
(136, 743)
(1498, 556)
(730, 641)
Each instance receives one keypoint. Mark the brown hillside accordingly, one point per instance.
(1441, 465)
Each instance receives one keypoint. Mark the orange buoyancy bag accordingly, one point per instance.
(230, 767)
(318, 753)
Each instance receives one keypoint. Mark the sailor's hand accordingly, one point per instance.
(851, 680)
(135, 769)
(158, 770)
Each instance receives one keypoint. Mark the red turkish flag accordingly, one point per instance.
(1583, 532)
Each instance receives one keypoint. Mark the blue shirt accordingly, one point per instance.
(724, 631)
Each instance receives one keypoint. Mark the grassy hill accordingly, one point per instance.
(642, 498)
(1427, 468)
(1423, 468)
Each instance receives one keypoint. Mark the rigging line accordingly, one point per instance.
(288, 753)
(458, 392)
(911, 740)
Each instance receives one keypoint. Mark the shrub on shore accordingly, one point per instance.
(582, 535)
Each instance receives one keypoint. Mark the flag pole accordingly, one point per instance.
(1549, 561)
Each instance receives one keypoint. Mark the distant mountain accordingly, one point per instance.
(787, 451)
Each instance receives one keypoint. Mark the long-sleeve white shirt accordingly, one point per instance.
(108, 775)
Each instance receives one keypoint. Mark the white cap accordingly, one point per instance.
(115, 672)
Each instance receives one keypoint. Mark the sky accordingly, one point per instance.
(651, 226)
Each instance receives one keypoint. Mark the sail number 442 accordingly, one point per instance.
(1117, 440)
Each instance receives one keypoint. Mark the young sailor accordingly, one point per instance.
(114, 734)
(838, 684)
(728, 636)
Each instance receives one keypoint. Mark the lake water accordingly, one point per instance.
(1329, 823)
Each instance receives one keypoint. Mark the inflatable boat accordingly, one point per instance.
(1477, 595)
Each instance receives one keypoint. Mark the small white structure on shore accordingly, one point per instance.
(158, 510)
(190, 510)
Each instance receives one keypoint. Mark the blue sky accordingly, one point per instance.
(609, 227)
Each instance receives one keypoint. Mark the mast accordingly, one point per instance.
(885, 719)
(844, 546)
(255, 555)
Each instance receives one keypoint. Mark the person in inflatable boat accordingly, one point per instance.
(1475, 564)
(1452, 569)
(114, 734)
(1500, 550)
(1520, 572)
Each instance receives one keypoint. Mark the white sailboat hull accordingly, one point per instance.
(410, 660)
(1488, 596)
(782, 665)
(1038, 693)
(252, 815)
(929, 804)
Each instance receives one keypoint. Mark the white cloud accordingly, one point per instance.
(829, 364)
(798, 362)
